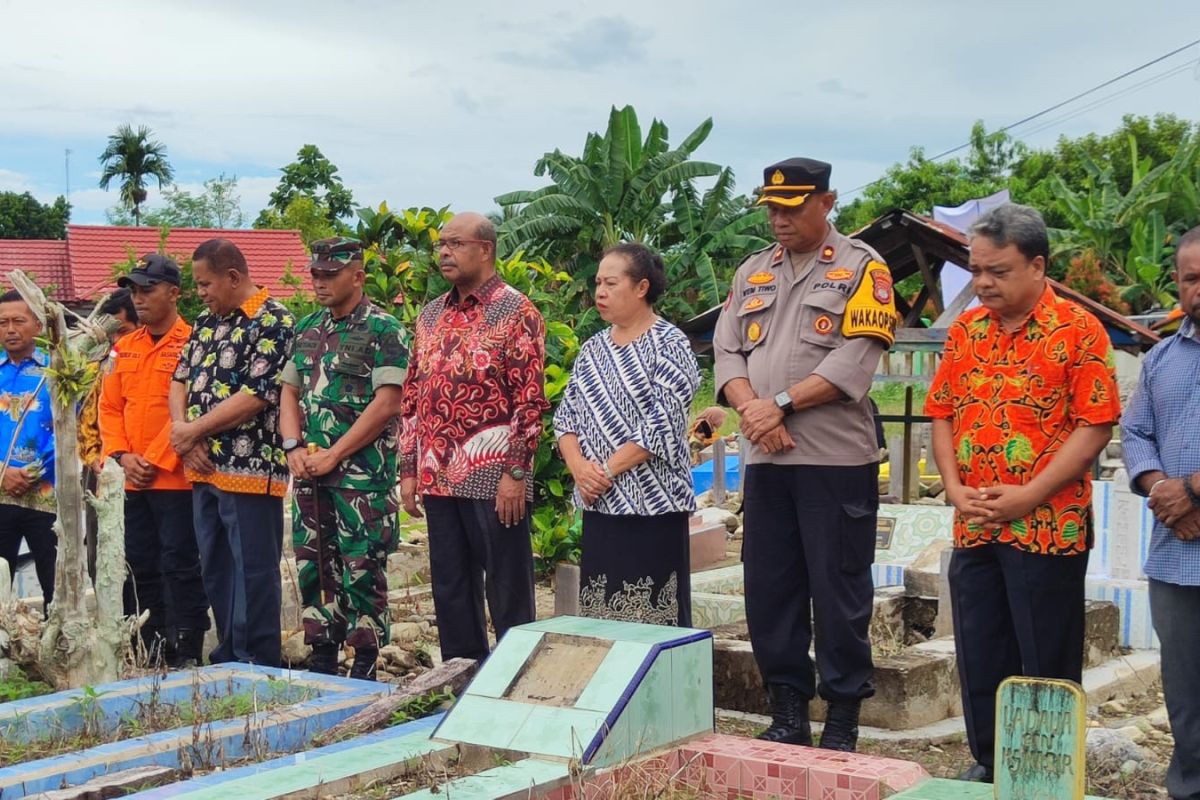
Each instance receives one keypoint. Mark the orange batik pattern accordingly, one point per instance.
(1013, 399)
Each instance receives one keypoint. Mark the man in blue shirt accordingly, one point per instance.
(1159, 433)
(27, 505)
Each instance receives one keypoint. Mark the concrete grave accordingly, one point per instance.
(316, 702)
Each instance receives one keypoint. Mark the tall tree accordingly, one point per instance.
(133, 157)
(23, 217)
(315, 176)
(218, 206)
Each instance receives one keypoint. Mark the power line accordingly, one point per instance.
(1059, 105)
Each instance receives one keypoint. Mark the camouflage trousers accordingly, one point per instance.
(342, 562)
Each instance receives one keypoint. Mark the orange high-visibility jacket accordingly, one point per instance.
(133, 402)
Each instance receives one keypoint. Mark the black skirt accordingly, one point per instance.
(636, 569)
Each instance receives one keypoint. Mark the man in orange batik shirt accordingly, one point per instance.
(1023, 402)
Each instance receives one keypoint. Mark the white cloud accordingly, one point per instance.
(418, 104)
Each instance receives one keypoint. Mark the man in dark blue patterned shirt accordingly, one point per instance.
(1159, 433)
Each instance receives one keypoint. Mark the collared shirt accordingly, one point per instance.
(27, 428)
(1159, 431)
(830, 313)
(474, 397)
(1013, 400)
(337, 366)
(243, 351)
(134, 413)
(640, 392)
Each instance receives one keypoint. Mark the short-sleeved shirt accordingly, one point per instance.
(242, 351)
(27, 428)
(474, 397)
(829, 313)
(1013, 400)
(337, 365)
(640, 392)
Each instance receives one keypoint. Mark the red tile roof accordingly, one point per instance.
(94, 249)
(45, 260)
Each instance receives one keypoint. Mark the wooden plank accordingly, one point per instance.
(117, 784)
(931, 278)
(957, 306)
(913, 317)
(454, 675)
(937, 335)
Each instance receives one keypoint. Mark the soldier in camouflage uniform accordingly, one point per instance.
(341, 388)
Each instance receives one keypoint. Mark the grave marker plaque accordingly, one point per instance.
(1041, 727)
(885, 528)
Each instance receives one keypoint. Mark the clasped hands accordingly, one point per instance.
(319, 461)
(762, 424)
(992, 506)
(590, 479)
(1172, 506)
(192, 446)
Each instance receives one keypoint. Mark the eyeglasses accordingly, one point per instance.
(455, 244)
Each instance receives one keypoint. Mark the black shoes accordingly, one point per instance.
(363, 668)
(324, 658)
(188, 650)
(841, 726)
(789, 717)
(977, 773)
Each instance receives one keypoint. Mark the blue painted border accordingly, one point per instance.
(590, 751)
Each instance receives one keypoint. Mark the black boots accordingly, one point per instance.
(977, 773)
(324, 658)
(841, 726)
(789, 717)
(188, 650)
(363, 667)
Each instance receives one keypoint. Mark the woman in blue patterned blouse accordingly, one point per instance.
(622, 429)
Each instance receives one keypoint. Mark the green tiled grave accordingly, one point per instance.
(604, 691)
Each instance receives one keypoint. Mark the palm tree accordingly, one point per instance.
(134, 157)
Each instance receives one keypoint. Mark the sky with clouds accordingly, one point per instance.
(437, 104)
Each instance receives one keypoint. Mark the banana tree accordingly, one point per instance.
(614, 192)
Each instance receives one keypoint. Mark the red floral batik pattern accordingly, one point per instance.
(474, 398)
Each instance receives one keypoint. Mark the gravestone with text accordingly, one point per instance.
(1041, 727)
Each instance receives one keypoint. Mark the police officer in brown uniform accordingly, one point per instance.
(796, 348)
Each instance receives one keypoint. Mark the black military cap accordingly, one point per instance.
(331, 255)
(790, 182)
(150, 269)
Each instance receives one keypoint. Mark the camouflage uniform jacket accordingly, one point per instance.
(336, 366)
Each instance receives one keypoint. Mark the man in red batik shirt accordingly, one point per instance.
(472, 410)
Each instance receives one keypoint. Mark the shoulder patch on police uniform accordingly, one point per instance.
(871, 310)
(759, 278)
(827, 254)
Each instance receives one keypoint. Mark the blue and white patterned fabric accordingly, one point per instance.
(1159, 431)
(27, 427)
(640, 392)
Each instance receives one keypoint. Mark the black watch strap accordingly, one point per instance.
(1191, 493)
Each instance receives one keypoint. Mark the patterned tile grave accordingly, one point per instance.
(595, 690)
(1041, 724)
(304, 703)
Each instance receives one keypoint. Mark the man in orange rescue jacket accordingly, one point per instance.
(135, 426)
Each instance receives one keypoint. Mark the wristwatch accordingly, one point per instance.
(783, 401)
(290, 444)
(516, 473)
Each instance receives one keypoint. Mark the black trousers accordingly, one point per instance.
(37, 529)
(164, 561)
(808, 548)
(473, 556)
(1015, 613)
(241, 539)
(1176, 613)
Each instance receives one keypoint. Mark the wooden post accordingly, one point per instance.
(718, 462)
(908, 444)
